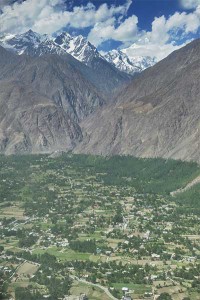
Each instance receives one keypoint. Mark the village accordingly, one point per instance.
(94, 240)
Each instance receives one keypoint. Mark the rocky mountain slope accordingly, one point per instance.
(54, 102)
(34, 44)
(129, 65)
(78, 47)
(42, 101)
(157, 115)
(105, 76)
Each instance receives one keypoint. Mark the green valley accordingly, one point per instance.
(92, 227)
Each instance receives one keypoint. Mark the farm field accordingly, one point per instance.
(91, 227)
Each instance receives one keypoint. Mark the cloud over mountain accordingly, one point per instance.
(49, 16)
(104, 22)
(189, 4)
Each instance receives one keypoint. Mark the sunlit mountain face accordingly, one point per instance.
(34, 44)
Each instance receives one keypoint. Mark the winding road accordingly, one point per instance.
(187, 187)
(95, 285)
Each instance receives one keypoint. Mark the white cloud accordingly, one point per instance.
(165, 34)
(176, 26)
(6, 2)
(189, 23)
(48, 16)
(152, 50)
(106, 22)
(124, 32)
(189, 4)
(159, 31)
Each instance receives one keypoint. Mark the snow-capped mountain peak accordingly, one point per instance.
(28, 37)
(78, 47)
(34, 44)
(130, 65)
(25, 43)
(64, 40)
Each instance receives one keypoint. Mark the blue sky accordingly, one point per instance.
(141, 27)
(146, 10)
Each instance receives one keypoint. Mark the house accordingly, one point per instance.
(125, 290)
(148, 294)
(155, 256)
(146, 235)
(153, 277)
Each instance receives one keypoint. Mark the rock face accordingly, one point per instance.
(157, 115)
(54, 102)
(34, 44)
(104, 75)
(78, 47)
(42, 101)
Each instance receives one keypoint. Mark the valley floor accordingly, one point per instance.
(86, 227)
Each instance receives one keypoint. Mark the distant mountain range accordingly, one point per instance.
(129, 65)
(103, 75)
(62, 94)
(32, 43)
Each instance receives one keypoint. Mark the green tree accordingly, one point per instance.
(165, 296)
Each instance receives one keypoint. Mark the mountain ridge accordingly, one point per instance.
(102, 74)
(127, 64)
(32, 43)
(43, 99)
(156, 115)
(51, 103)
